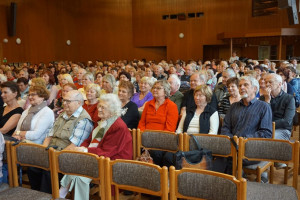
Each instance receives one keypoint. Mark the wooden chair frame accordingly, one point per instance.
(139, 141)
(9, 163)
(294, 160)
(134, 145)
(233, 154)
(174, 194)
(100, 179)
(15, 161)
(164, 190)
(259, 170)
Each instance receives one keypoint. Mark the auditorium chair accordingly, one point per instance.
(272, 150)
(135, 176)
(30, 155)
(79, 164)
(220, 145)
(189, 183)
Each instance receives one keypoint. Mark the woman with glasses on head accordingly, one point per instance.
(36, 120)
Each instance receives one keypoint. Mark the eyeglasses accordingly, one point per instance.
(32, 94)
(67, 101)
(157, 88)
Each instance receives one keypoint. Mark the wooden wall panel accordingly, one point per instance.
(127, 29)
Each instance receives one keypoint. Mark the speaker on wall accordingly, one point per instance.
(12, 20)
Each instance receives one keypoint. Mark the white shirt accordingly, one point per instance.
(40, 124)
(194, 126)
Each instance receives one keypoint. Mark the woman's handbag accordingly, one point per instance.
(145, 157)
(199, 159)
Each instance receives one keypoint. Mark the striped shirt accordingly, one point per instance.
(254, 120)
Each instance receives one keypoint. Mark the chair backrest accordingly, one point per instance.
(263, 149)
(159, 140)
(31, 155)
(220, 145)
(204, 184)
(77, 163)
(136, 176)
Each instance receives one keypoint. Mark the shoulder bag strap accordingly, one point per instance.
(196, 141)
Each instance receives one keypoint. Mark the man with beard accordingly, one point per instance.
(249, 118)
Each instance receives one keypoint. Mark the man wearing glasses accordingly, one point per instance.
(70, 129)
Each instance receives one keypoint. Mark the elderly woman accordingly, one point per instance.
(48, 76)
(203, 118)
(90, 105)
(160, 113)
(87, 79)
(11, 113)
(149, 73)
(138, 76)
(108, 84)
(111, 138)
(130, 113)
(145, 94)
(233, 96)
(36, 120)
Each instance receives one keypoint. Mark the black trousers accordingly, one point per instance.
(162, 158)
(40, 179)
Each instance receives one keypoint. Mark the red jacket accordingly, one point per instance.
(116, 143)
(164, 118)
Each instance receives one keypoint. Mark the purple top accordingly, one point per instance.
(136, 99)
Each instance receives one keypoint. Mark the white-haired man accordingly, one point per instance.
(176, 95)
(282, 105)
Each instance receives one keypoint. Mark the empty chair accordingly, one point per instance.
(136, 176)
(220, 145)
(203, 184)
(159, 140)
(80, 164)
(261, 167)
(31, 155)
(272, 150)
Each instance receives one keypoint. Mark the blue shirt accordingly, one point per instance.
(252, 121)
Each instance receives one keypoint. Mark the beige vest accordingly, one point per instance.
(63, 129)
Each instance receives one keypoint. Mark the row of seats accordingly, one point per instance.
(151, 179)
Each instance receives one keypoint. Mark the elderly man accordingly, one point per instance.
(221, 89)
(70, 129)
(249, 117)
(176, 95)
(78, 79)
(185, 79)
(282, 105)
(158, 73)
(188, 102)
